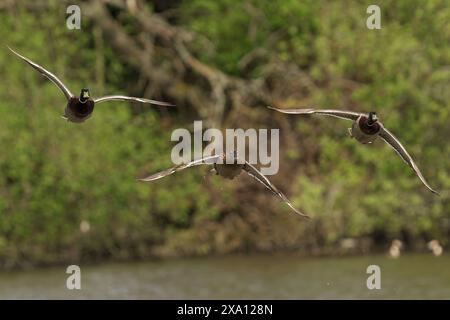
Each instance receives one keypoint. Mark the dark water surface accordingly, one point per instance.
(241, 277)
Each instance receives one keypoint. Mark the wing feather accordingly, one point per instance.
(47, 74)
(180, 167)
(392, 141)
(346, 115)
(252, 171)
(126, 98)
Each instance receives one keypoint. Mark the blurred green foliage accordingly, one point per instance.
(54, 175)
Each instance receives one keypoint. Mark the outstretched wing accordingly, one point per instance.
(47, 74)
(252, 171)
(391, 140)
(126, 98)
(172, 170)
(347, 115)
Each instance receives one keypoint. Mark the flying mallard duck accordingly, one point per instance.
(366, 128)
(79, 109)
(228, 166)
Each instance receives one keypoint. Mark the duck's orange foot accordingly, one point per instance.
(350, 132)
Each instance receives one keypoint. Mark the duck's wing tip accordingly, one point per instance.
(10, 48)
(294, 111)
(147, 179)
(179, 167)
(301, 214)
(15, 52)
(398, 147)
(154, 102)
(53, 78)
(18, 54)
(425, 182)
(162, 103)
(156, 176)
(258, 176)
(435, 192)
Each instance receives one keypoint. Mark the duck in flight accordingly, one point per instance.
(366, 128)
(79, 109)
(228, 166)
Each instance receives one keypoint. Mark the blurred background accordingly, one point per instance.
(68, 193)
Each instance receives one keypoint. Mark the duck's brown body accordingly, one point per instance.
(77, 111)
(230, 169)
(363, 132)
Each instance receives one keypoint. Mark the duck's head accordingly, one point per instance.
(230, 157)
(234, 155)
(84, 95)
(372, 118)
